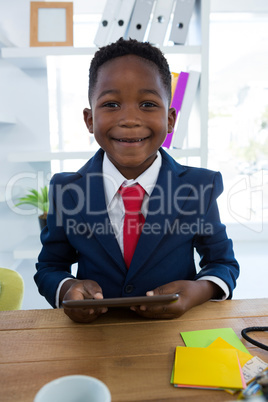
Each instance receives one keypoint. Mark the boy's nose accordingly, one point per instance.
(129, 118)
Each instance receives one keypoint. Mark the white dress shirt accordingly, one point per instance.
(112, 180)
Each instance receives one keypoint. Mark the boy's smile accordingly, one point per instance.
(130, 113)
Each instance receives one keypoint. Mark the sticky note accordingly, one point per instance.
(204, 338)
(222, 344)
(207, 367)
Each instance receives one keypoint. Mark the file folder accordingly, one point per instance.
(140, 18)
(174, 81)
(186, 107)
(182, 15)
(110, 11)
(177, 100)
(160, 21)
(121, 22)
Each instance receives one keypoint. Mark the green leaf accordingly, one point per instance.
(35, 193)
(37, 199)
(34, 203)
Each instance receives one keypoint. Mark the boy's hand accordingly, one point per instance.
(74, 289)
(191, 293)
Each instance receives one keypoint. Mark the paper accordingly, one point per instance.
(204, 338)
(253, 368)
(243, 357)
(212, 359)
(207, 367)
(222, 344)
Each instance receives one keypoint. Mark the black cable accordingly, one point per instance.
(249, 339)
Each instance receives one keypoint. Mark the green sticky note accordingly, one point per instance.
(205, 337)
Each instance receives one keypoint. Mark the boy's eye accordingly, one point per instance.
(111, 104)
(148, 104)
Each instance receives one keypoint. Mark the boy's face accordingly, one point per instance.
(130, 113)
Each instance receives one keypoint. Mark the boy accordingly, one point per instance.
(129, 96)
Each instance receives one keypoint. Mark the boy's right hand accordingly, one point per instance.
(75, 289)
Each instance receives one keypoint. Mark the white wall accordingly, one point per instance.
(24, 121)
(25, 93)
(241, 6)
(15, 18)
(23, 100)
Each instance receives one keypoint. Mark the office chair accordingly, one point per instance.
(11, 290)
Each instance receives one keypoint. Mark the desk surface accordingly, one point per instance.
(133, 356)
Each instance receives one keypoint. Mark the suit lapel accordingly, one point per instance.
(165, 205)
(94, 212)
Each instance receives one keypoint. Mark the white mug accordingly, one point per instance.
(74, 388)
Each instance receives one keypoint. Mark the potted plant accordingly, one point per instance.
(38, 200)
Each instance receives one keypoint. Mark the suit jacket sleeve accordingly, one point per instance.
(57, 255)
(215, 248)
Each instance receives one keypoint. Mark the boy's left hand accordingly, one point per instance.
(191, 293)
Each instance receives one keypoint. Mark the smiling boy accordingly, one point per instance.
(130, 113)
(129, 95)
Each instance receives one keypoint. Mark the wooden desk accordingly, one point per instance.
(133, 356)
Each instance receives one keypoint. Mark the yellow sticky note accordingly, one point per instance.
(207, 367)
(222, 344)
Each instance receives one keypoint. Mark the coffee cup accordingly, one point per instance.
(74, 388)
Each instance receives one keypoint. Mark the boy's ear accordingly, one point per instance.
(172, 115)
(88, 119)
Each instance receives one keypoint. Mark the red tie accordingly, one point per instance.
(134, 220)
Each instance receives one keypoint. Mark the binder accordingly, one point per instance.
(182, 15)
(121, 22)
(140, 18)
(110, 11)
(174, 81)
(177, 100)
(186, 107)
(160, 21)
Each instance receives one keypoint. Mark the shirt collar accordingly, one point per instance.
(113, 179)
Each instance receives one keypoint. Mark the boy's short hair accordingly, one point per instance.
(123, 47)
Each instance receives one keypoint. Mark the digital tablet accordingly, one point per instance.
(121, 301)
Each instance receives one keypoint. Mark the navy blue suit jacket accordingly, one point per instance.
(183, 215)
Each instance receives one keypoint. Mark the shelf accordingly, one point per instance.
(63, 155)
(35, 57)
(29, 248)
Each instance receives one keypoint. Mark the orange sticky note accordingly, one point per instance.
(222, 344)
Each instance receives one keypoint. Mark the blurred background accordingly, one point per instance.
(43, 92)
